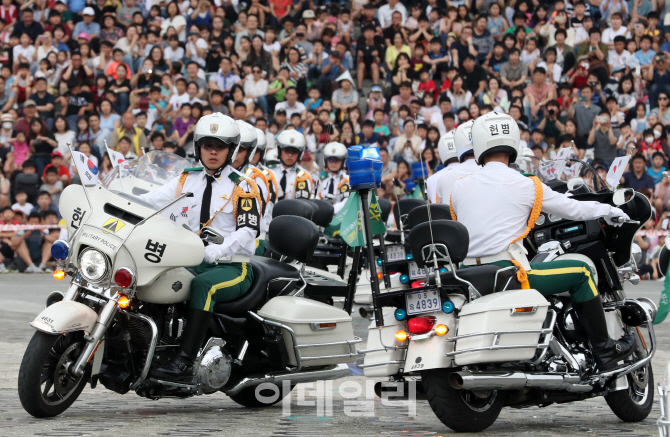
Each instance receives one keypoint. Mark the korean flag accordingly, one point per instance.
(88, 172)
(179, 212)
(116, 157)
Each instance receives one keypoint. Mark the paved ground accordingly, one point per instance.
(103, 413)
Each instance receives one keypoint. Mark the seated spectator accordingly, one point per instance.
(22, 203)
(637, 178)
(656, 170)
(53, 186)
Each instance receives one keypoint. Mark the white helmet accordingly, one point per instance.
(262, 139)
(248, 139)
(222, 129)
(291, 139)
(335, 149)
(272, 157)
(463, 139)
(495, 132)
(446, 147)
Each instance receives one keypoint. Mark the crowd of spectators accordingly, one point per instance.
(138, 74)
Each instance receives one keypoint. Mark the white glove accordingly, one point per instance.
(213, 253)
(615, 212)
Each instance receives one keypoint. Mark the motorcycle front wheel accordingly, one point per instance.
(461, 410)
(634, 404)
(46, 388)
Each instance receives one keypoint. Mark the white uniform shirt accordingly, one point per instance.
(291, 176)
(431, 183)
(447, 181)
(494, 205)
(334, 180)
(237, 241)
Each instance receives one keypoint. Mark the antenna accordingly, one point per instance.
(402, 231)
(438, 281)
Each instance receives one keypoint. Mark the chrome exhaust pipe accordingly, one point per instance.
(466, 380)
(334, 372)
(366, 311)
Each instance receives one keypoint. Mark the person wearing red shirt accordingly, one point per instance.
(57, 162)
(280, 8)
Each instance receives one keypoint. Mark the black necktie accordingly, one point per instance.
(206, 202)
(282, 185)
(331, 188)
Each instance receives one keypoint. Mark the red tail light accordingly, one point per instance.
(420, 325)
(418, 284)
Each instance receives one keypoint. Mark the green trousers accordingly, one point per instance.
(556, 277)
(260, 247)
(219, 283)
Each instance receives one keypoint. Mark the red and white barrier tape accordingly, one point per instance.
(652, 232)
(12, 228)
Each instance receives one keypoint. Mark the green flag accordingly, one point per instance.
(416, 193)
(664, 303)
(351, 228)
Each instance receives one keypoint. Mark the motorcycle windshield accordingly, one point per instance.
(156, 167)
(556, 174)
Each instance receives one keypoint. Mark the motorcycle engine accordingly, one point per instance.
(213, 366)
(570, 327)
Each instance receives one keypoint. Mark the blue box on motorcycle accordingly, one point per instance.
(419, 170)
(361, 173)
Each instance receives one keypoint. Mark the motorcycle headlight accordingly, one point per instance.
(93, 265)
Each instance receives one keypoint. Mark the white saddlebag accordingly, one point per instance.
(495, 312)
(384, 361)
(323, 334)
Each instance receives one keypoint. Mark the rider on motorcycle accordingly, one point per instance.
(294, 181)
(495, 203)
(231, 204)
(335, 181)
(463, 142)
(248, 146)
(447, 150)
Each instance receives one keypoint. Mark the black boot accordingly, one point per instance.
(606, 351)
(179, 368)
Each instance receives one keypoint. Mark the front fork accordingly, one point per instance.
(97, 332)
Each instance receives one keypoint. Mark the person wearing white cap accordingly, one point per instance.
(88, 26)
(449, 157)
(345, 97)
(463, 143)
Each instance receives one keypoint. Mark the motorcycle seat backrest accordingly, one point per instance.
(445, 234)
(420, 214)
(324, 213)
(294, 207)
(294, 237)
(262, 290)
(403, 207)
(385, 207)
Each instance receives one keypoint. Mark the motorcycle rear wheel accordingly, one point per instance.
(634, 404)
(248, 398)
(461, 410)
(46, 389)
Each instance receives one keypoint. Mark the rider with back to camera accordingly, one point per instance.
(248, 145)
(227, 202)
(294, 181)
(447, 150)
(495, 203)
(463, 143)
(334, 186)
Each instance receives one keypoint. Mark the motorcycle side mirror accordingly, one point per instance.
(623, 196)
(211, 236)
(575, 184)
(636, 253)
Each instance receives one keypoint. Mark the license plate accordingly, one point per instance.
(415, 272)
(395, 252)
(423, 302)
